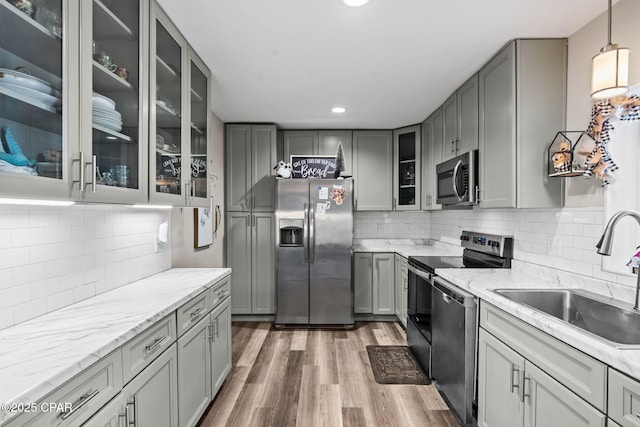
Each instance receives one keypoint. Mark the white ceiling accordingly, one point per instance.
(390, 63)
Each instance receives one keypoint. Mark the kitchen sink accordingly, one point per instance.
(604, 317)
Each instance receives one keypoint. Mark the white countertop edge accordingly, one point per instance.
(73, 364)
(482, 282)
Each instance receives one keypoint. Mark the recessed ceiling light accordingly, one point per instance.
(113, 138)
(338, 110)
(355, 3)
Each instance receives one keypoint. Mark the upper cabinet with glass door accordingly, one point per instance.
(36, 101)
(406, 191)
(114, 95)
(179, 117)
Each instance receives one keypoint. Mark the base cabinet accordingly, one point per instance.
(384, 284)
(149, 400)
(194, 376)
(220, 345)
(362, 283)
(513, 392)
(401, 288)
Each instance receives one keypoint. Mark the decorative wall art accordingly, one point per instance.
(203, 227)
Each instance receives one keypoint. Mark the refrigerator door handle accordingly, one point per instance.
(305, 236)
(312, 233)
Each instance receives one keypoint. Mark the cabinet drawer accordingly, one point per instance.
(192, 311)
(87, 393)
(624, 399)
(220, 291)
(143, 349)
(580, 373)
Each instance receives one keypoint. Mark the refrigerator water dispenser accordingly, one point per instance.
(291, 232)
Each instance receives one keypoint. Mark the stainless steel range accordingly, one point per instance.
(442, 318)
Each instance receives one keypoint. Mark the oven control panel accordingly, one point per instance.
(493, 244)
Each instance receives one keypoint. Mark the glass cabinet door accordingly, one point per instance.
(34, 98)
(199, 110)
(407, 168)
(114, 64)
(168, 85)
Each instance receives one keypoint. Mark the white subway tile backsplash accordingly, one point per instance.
(52, 257)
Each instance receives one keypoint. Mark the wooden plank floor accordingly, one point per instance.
(317, 377)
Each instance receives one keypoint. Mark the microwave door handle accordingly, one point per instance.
(455, 180)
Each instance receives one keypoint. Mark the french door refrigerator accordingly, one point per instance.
(314, 229)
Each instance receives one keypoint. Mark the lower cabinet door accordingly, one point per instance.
(362, 283)
(263, 263)
(238, 236)
(221, 345)
(499, 382)
(398, 286)
(384, 299)
(152, 396)
(547, 403)
(194, 365)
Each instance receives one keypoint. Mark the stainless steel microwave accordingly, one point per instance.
(457, 180)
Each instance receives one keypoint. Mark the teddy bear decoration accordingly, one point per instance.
(283, 170)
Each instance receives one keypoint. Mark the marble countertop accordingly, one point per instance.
(38, 356)
(407, 247)
(480, 282)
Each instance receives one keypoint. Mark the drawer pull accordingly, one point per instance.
(156, 344)
(196, 314)
(83, 400)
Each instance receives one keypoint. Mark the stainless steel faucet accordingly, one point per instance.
(606, 241)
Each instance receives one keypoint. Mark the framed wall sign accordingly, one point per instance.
(308, 166)
(203, 227)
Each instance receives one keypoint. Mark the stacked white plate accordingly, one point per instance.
(105, 114)
(35, 90)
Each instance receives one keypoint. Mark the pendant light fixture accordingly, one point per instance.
(610, 69)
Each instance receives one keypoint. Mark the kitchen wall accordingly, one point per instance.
(183, 252)
(391, 225)
(558, 238)
(51, 257)
(583, 45)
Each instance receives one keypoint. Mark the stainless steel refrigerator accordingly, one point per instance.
(314, 229)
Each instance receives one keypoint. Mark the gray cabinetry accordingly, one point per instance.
(250, 242)
(555, 384)
(179, 117)
(373, 170)
(383, 284)
(251, 156)
(512, 391)
(406, 168)
(432, 144)
(153, 395)
(624, 399)
(401, 288)
(362, 283)
(220, 345)
(323, 142)
(460, 116)
(375, 284)
(522, 105)
(194, 376)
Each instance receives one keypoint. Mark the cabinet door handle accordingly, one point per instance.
(83, 400)
(355, 204)
(638, 415)
(81, 176)
(215, 328)
(94, 171)
(394, 203)
(453, 146)
(516, 371)
(525, 379)
(210, 331)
